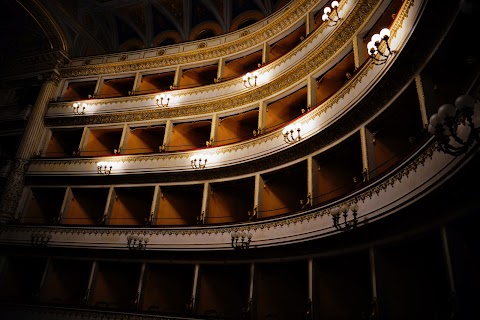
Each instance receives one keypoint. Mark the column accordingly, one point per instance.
(27, 148)
(220, 70)
(365, 153)
(265, 53)
(421, 100)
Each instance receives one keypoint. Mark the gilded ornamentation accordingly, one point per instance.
(320, 57)
(312, 214)
(294, 12)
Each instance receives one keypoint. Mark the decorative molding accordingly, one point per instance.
(294, 12)
(321, 56)
(371, 191)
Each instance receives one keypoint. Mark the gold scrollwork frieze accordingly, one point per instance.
(321, 55)
(313, 214)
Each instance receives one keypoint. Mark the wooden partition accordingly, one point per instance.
(287, 43)
(240, 66)
(131, 206)
(167, 288)
(174, 210)
(412, 280)
(79, 90)
(236, 128)
(64, 142)
(44, 205)
(66, 282)
(144, 140)
(199, 76)
(230, 201)
(284, 110)
(85, 206)
(335, 78)
(188, 136)
(338, 170)
(283, 190)
(223, 290)
(153, 83)
(395, 133)
(21, 278)
(120, 87)
(342, 287)
(101, 142)
(281, 290)
(115, 285)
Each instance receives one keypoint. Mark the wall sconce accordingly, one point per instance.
(79, 108)
(327, 11)
(137, 242)
(453, 126)
(162, 100)
(289, 136)
(104, 167)
(345, 208)
(40, 239)
(199, 163)
(241, 240)
(374, 47)
(308, 202)
(209, 143)
(252, 215)
(201, 218)
(248, 78)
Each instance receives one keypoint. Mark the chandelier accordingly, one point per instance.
(345, 209)
(161, 98)
(378, 56)
(198, 163)
(250, 79)
(104, 168)
(241, 240)
(327, 11)
(454, 127)
(291, 135)
(137, 242)
(79, 108)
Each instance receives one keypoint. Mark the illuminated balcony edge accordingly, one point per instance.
(147, 102)
(419, 175)
(235, 40)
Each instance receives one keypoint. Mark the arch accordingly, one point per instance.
(159, 38)
(131, 45)
(52, 30)
(202, 27)
(249, 15)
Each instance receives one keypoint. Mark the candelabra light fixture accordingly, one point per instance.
(241, 240)
(378, 55)
(326, 11)
(291, 135)
(453, 126)
(137, 242)
(40, 239)
(162, 99)
(104, 167)
(79, 108)
(198, 162)
(250, 79)
(345, 209)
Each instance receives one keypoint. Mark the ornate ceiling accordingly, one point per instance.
(105, 26)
